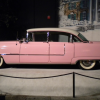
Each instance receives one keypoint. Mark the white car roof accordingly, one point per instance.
(54, 29)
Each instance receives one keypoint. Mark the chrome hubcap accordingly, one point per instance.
(87, 63)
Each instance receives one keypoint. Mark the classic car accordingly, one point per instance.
(51, 46)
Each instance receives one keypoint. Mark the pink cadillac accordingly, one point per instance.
(51, 46)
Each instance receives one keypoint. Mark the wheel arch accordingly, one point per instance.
(77, 59)
(2, 57)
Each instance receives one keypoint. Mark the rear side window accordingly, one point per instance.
(40, 36)
(37, 36)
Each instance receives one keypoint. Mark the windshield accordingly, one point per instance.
(82, 37)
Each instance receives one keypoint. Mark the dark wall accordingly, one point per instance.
(43, 8)
(26, 14)
(21, 15)
(33, 13)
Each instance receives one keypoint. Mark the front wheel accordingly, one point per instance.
(2, 63)
(87, 64)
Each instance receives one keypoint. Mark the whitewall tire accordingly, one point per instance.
(87, 64)
(2, 63)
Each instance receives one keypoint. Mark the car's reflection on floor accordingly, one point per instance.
(46, 66)
(43, 66)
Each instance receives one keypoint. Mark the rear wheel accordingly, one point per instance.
(2, 63)
(87, 64)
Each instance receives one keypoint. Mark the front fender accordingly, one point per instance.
(75, 60)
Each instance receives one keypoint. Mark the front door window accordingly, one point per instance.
(59, 37)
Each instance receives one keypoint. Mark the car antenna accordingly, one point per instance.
(17, 38)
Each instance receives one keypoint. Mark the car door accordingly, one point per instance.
(36, 50)
(61, 50)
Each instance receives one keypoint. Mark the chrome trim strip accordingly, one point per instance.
(3, 54)
(37, 54)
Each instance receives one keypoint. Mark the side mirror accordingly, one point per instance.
(85, 42)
